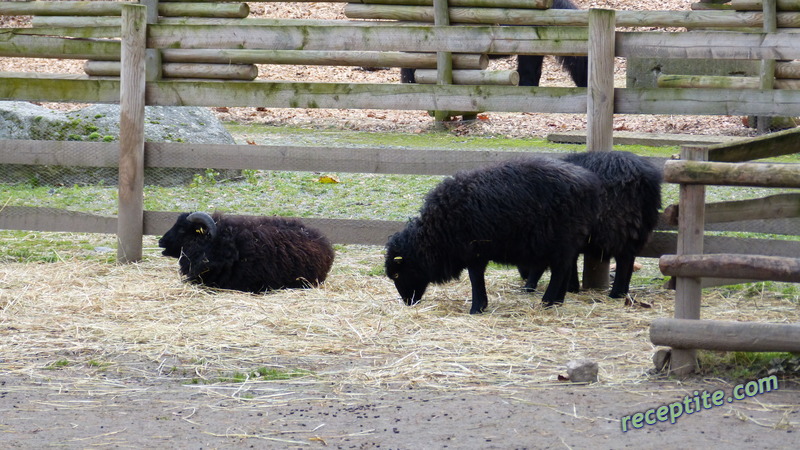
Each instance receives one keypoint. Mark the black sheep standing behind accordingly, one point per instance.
(628, 213)
(246, 253)
(529, 67)
(524, 212)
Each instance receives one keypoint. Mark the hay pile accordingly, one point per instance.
(140, 321)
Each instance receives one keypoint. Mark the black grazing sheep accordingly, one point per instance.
(529, 67)
(251, 254)
(521, 212)
(628, 213)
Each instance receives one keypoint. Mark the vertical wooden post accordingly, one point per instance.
(600, 93)
(767, 71)
(444, 60)
(152, 55)
(131, 139)
(600, 114)
(688, 291)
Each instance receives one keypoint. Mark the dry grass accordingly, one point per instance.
(141, 321)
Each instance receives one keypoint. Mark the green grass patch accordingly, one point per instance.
(748, 365)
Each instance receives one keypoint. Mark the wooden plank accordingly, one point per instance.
(766, 146)
(323, 159)
(720, 82)
(15, 43)
(639, 138)
(461, 39)
(708, 45)
(733, 174)
(707, 102)
(131, 137)
(474, 77)
(755, 267)
(323, 58)
(52, 219)
(366, 96)
(60, 153)
(778, 206)
(758, 5)
(725, 336)
(58, 88)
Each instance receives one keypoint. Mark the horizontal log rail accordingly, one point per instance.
(725, 336)
(733, 174)
(624, 18)
(749, 267)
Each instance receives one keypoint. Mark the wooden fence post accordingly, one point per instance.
(130, 219)
(444, 60)
(600, 114)
(688, 291)
(767, 70)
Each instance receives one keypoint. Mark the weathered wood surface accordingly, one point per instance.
(787, 69)
(641, 138)
(325, 58)
(779, 206)
(49, 219)
(14, 43)
(754, 267)
(766, 146)
(477, 39)
(131, 134)
(82, 89)
(725, 336)
(758, 5)
(241, 72)
(721, 82)
(600, 92)
(624, 18)
(475, 77)
(708, 45)
(733, 174)
(89, 8)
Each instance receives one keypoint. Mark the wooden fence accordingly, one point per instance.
(697, 168)
(148, 40)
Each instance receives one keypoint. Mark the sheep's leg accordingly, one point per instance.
(622, 279)
(574, 280)
(559, 280)
(476, 278)
(531, 274)
(529, 68)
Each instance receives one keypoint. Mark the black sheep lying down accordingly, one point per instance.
(251, 254)
(528, 211)
(631, 199)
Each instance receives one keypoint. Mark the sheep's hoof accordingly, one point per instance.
(614, 294)
(476, 311)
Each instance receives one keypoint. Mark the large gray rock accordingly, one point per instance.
(23, 120)
(100, 123)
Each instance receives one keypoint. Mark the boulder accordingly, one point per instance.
(100, 123)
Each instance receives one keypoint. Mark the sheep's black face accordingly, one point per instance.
(409, 280)
(181, 234)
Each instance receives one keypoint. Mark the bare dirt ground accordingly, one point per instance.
(94, 355)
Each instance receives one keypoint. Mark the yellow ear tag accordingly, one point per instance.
(200, 231)
(398, 258)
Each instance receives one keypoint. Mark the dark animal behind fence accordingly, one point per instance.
(529, 67)
(245, 253)
(628, 213)
(522, 212)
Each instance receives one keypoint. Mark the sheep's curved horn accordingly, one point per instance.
(203, 219)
